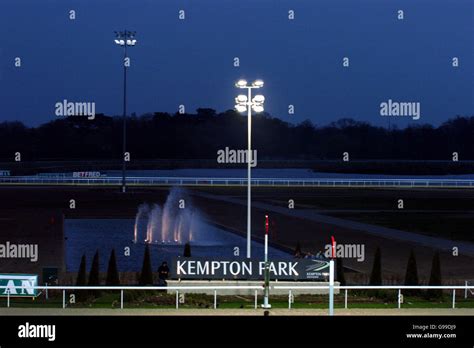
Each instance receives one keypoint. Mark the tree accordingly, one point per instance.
(376, 275)
(159, 134)
(94, 273)
(340, 272)
(187, 250)
(411, 276)
(435, 278)
(206, 112)
(82, 279)
(94, 279)
(113, 278)
(146, 276)
(82, 275)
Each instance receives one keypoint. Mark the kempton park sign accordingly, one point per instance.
(249, 269)
(18, 285)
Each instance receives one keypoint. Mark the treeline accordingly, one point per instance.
(201, 135)
(411, 277)
(113, 276)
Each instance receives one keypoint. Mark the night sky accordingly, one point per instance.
(190, 61)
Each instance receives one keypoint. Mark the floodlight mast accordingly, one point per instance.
(246, 103)
(124, 38)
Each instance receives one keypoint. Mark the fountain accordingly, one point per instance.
(143, 210)
(171, 224)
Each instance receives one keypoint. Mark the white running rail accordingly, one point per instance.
(206, 181)
(291, 289)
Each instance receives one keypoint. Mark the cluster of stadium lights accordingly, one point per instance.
(247, 103)
(125, 38)
(243, 102)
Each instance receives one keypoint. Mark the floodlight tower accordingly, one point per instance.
(124, 39)
(247, 103)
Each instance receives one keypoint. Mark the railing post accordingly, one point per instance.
(64, 299)
(256, 296)
(215, 299)
(121, 299)
(331, 287)
(399, 298)
(177, 299)
(8, 298)
(345, 299)
(465, 290)
(454, 298)
(289, 299)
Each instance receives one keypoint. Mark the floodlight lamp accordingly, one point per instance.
(240, 108)
(242, 98)
(257, 108)
(241, 84)
(259, 99)
(257, 83)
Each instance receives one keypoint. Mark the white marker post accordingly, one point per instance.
(267, 275)
(331, 277)
(331, 287)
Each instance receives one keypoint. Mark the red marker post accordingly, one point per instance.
(333, 247)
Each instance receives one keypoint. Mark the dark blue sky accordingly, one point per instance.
(190, 62)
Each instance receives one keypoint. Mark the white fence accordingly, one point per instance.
(465, 287)
(346, 289)
(188, 181)
(141, 288)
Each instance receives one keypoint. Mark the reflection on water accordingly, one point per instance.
(85, 236)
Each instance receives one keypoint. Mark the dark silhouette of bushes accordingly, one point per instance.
(94, 275)
(113, 278)
(201, 135)
(411, 276)
(146, 275)
(435, 278)
(187, 250)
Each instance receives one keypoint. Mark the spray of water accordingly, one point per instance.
(154, 223)
(143, 210)
(177, 222)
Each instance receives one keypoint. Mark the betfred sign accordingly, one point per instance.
(18, 285)
(86, 174)
(295, 269)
